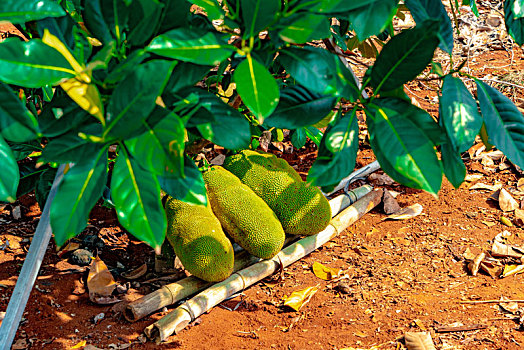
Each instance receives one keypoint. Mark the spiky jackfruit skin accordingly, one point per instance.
(302, 209)
(198, 240)
(246, 217)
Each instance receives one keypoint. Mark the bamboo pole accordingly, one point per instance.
(180, 317)
(174, 292)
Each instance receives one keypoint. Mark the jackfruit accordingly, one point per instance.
(302, 209)
(245, 216)
(198, 240)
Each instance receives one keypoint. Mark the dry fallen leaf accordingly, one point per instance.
(512, 270)
(299, 298)
(489, 223)
(100, 283)
(406, 213)
(468, 254)
(419, 341)
(79, 344)
(505, 250)
(71, 246)
(506, 221)
(136, 273)
(473, 177)
(474, 266)
(506, 201)
(519, 217)
(520, 185)
(483, 186)
(325, 272)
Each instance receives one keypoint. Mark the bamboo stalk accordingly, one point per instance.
(179, 318)
(174, 292)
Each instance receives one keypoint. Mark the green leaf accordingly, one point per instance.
(29, 176)
(226, 127)
(257, 15)
(337, 153)
(32, 63)
(320, 71)
(9, 176)
(170, 15)
(401, 147)
(302, 28)
(339, 6)
(404, 57)
(504, 122)
(298, 138)
(212, 8)
(186, 75)
(257, 87)
(134, 98)
(314, 134)
(43, 186)
(454, 167)
(136, 195)
(23, 149)
(16, 122)
(161, 146)
(190, 188)
(61, 115)
(373, 18)
(473, 5)
(513, 16)
(459, 113)
(21, 11)
(125, 67)
(423, 10)
(144, 16)
(191, 45)
(77, 194)
(68, 148)
(106, 19)
(299, 107)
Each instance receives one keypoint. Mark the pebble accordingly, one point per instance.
(81, 257)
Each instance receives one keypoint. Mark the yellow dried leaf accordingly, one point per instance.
(520, 185)
(506, 221)
(324, 272)
(360, 334)
(299, 298)
(100, 282)
(489, 223)
(512, 270)
(79, 344)
(406, 213)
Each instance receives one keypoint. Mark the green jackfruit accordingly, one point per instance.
(245, 216)
(198, 240)
(302, 209)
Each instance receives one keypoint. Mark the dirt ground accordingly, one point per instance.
(396, 276)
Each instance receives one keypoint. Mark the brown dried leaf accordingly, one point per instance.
(492, 268)
(474, 266)
(299, 298)
(390, 203)
(483, 186)
(468, 254)
(136, 273)
(519, 217)
(520, 185)
(512, 270)
(489, 223)
(506, 201)
(100, 283)
(406, 213)
(71, 246)
(505, 250)
(324, 272)
(419, 341)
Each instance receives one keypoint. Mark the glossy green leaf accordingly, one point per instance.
(302, 28)
(106, 19)
(161, 146)
(170, 15)
(226, 127)
(144, 16)
(190, 188)
(337, 153)
(404, 57)
(454, 167)
(423, 10)
(299, 107)
(21, 11)
(22, 149)
(43, 185)
(257, 87)
(339, 6)
(400, 145)
(320, 71)
(16, 122)
(125, 67)
(504, 122)
(134, 98)
(212, 8)
(314, 134)
(373, 18)
(257, 15)
(513, 17)
(185, 75)
(191, 45)
(136, 195)
(29, 175)
(298, 138)
(60, 116)
(77, 194)
(473, 5)
(68, 148)
(32, 63)
(9, 176)
(459, 114)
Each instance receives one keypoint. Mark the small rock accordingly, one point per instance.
(343, 287)
(81, 257)
(98, 318)
(17, 213)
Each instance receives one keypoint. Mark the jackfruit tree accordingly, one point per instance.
(124, 92)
